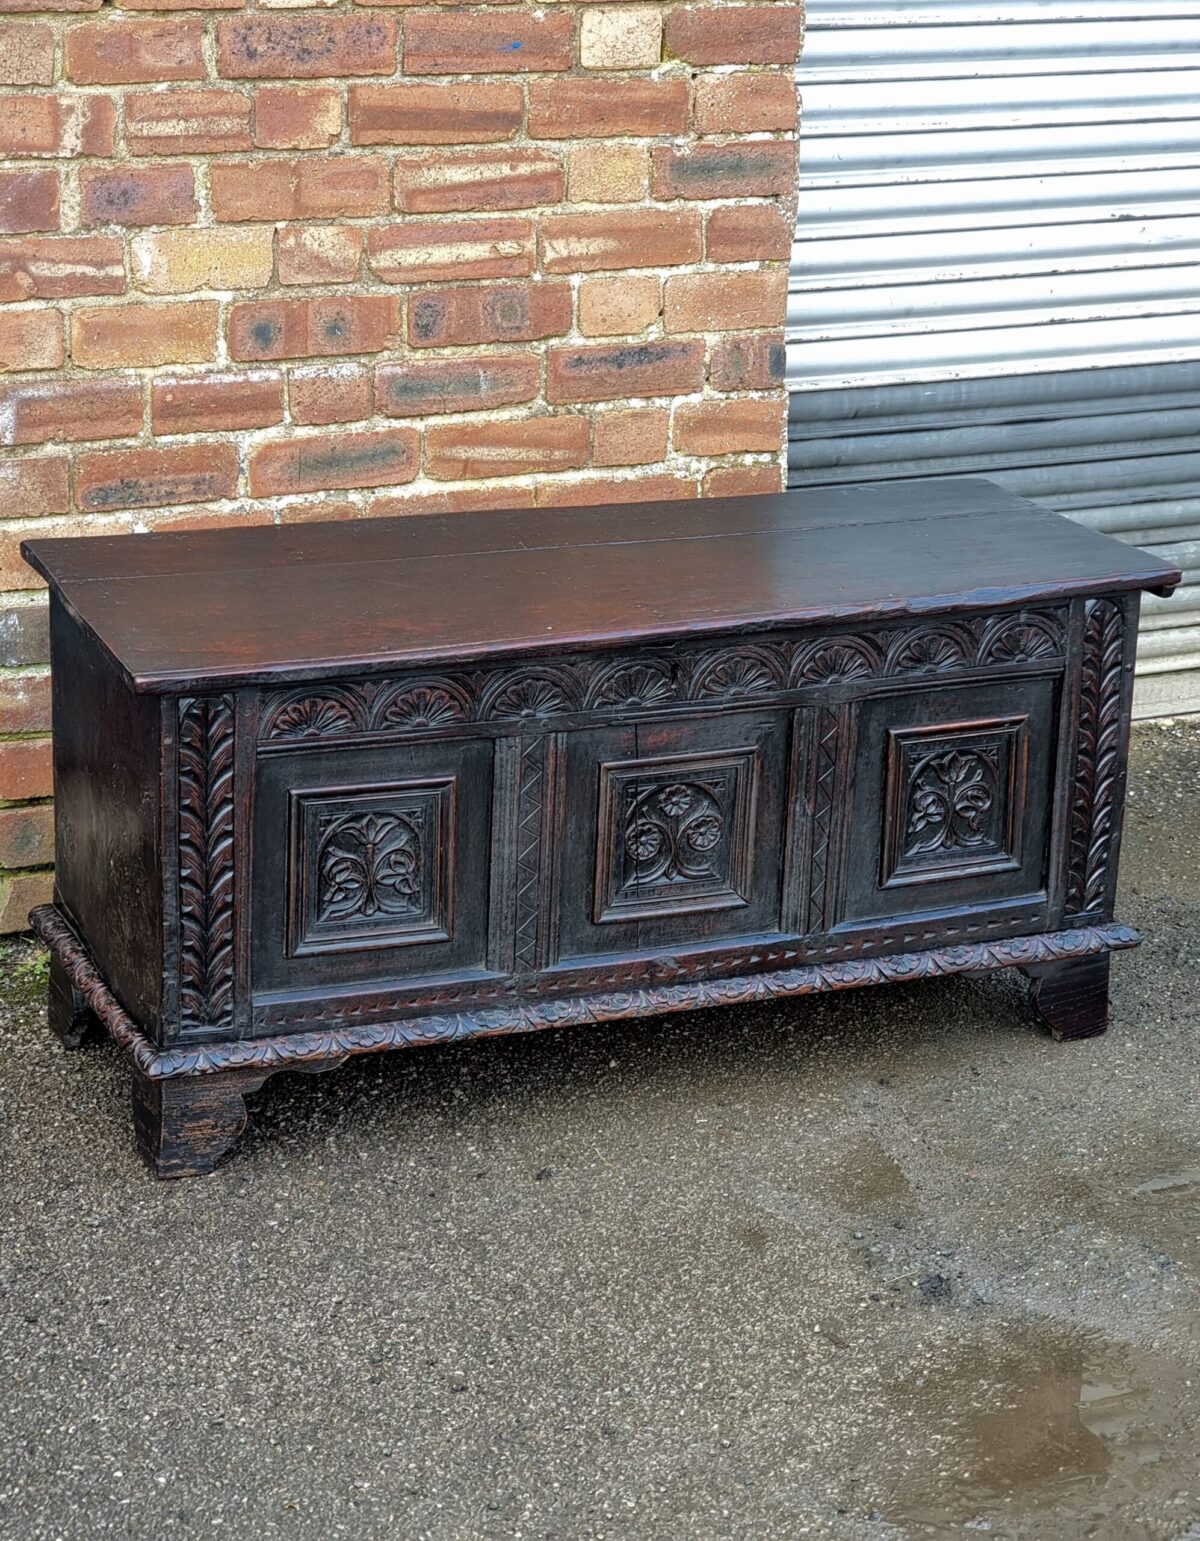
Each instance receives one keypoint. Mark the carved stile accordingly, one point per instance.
(206, 861)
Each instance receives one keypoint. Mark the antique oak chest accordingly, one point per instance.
(323, 790)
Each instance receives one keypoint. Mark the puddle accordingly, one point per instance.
(1176, 1185)
(867, 1176)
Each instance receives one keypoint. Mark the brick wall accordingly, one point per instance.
(319, 261)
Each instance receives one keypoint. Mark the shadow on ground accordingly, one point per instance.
(882, 1264)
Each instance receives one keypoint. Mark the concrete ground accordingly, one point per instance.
(884, 1264)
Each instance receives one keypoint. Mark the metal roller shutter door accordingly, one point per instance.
(997, 268)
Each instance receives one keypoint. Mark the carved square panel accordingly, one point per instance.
(954, 804)
(370, 867)
(675, 834)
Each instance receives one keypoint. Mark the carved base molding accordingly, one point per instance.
(328, 1046)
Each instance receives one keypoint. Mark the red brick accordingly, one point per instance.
(456, 385)
(634, 437)
(24, 708)
(119, 53)
(26, 769)
(340, 393)
(31, 339)
(754, 102)
(409, 113)
(187, 122)
(28, 201)
(137, 195)
(620, 238)
(740, 169)
(454, 500)
(27, 835)
(327, 462)
(135, 336)
(15, 572)
(742, 481)
(319, 254)
(307, 187)
(476, 179)
(61, 267)
(487, 42)
(213, 403)
(57, 125)
(155, 478)
(324, 509)
(21, 893)
(735, 34)
(591, 109)
(748, 232)
(553, 493)
(34, 488)
(755, 363)
(444, 318)
(729, 427)
(724, 302)
(313, 328)
(305, 47)
(70, 409)
(614, 372)
(18, 7)
(514, 447)
(440, 250)
(620, 306)
(180, 5)
(26, 54)
(204, 519)
(297, 117)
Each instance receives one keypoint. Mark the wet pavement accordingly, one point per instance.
(888, 1263)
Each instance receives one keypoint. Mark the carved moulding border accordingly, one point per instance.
(330, 1045)
(1099, 761)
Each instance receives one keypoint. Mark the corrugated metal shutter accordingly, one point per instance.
(997, 267)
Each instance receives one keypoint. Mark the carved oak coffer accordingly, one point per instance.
(330, 789)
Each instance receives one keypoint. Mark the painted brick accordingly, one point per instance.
(182, 261)
(476, 113)
(625, 238)
(735, 34)
(31, 339)
(305, 188)
(748, 232)
(420, 251)
(701, 302)
(297, 117)
(26, 54)
(621, 38)
(478, 179)
(743, 481)
(481, 313)
(629, 438)
(555, 493)
(617, 371)
(117, 53)
(619, 307)
(137, 195)
(754, 363)
(740, 426)
(61, 267)
(608, 173)
(382, 458)
(133, 336)
(319, 254)
(743, 169)
(21, 893)
(754, 102)
(24, 633)
(509, 447)
(580, 108)
(48, 126)
(26, 769)
(155, 478)
(24, 708)
(339, 393)
(454, 500)
(215, 403)
(313, 328)
(28, 201)
(305, 47)
(187, 122)
(70, 409)
(27, 835)
(487, 42)
(456, 385)
(34, 488)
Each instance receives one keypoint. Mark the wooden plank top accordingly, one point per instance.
(229, 606)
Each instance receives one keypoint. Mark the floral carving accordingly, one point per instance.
(1098, 774)
(648, 682)
(308, 714)
(847, 658)
(730, 676)
(435, 704)
(206, 857)
(928, 651)
(369, 864)
(949, 797)
(670, 834)
(1024, 638)
(542, 694)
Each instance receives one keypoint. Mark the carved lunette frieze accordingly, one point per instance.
(1098, 758)
(206, 861)
(650, 680)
